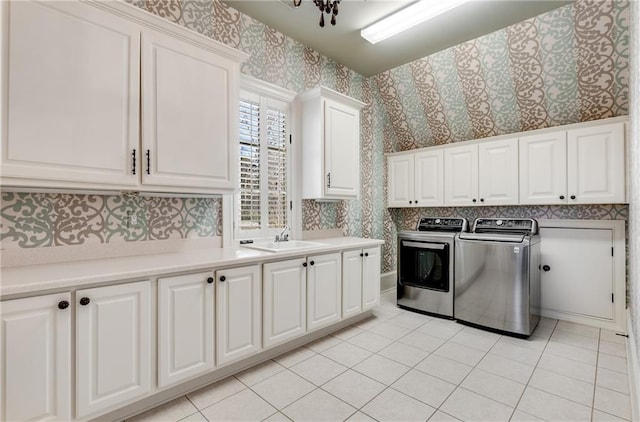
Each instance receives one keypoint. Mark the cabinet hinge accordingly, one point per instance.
(611, 297)
(611, 251)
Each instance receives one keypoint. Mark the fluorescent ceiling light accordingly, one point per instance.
(408, 17)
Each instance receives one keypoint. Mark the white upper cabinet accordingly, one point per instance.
(185, 327)
(330, 145)
(35, 370)
(416, 180)
(578, 166)
(482, 174)
(429, 183)
(238, 313)
(543, 168)
(103, 95)
(461, 176)
(188, 111)
(596, 164)
(113, 346)
(72, 97)
(498, 172)
(400, 180)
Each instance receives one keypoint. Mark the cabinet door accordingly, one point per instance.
(596, 165)
(238, 313)
(36, 363)
(580, 266)
(400, 181)
(498, 172)
(371, 278)
(461, 176)
(341, 149)
(543, 168)
(73, 90)
(324, 290)
(113, 353)
(189, 112)
(351, 283)
(285, 300)
(429, 185)
(185, 327)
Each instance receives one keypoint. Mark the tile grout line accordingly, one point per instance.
(194, 405)
(515, 408)
(595, 378)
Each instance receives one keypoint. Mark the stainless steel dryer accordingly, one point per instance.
(425, 265)
(497, 275)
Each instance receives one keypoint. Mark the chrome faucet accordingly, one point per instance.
(282, 237)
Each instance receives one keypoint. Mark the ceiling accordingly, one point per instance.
(344, 44)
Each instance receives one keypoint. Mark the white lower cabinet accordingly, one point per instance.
(352, 282)
(361, 280)
(324, 290)
(36, 364)
(238, 313)
(371, 278)
(284, 300)
(577, 263)
(203, 321)
(185, 327)
(113, 346)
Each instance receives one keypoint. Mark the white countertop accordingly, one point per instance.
(48, 278)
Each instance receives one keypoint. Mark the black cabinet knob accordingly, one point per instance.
(366, 254)
(474, 200)
(416, 201)
(209, 280)
(63, 304)
(304, 264)
(312, 262)
(411, 202)
(222, 278)
(573, 197)
(481, 199)
(561, 196)
(546, 268)
(85, 301)
(361, 254)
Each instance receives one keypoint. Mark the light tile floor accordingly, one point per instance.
(403, 366)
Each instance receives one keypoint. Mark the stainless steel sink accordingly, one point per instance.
(290, 245)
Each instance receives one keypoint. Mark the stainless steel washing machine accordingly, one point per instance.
(497, 275)
(426, 266)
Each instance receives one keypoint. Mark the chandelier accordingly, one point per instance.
(330, 7)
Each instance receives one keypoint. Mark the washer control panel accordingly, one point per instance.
(440, 224)
(502, 225)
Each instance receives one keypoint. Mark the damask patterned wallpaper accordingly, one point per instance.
(31, 220)
(566, 66)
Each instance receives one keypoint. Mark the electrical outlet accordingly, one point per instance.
(132, 219)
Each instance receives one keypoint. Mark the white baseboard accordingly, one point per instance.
(388, 281)
(633, 370)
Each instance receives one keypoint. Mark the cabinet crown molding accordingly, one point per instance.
(149, 20)
(321, 91)
(572, 126)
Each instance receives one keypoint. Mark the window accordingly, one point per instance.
(262, 201)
